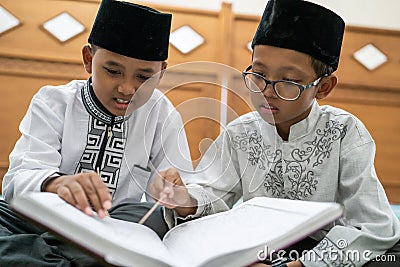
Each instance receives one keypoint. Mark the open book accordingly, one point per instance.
(231, 238)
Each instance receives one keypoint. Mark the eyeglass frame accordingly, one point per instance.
(272, 83)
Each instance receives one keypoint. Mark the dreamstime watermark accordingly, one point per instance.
(335, 253)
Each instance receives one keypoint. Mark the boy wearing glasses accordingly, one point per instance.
(292, 147)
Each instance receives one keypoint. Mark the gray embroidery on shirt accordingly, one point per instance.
(332, 254)
(303, 182)
(207, 205)
(274, 179)
(263, 156)
(298, 166)
(251, 143)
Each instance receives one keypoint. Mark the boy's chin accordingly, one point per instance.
(273, 123)
(268, 118)
(119, 113)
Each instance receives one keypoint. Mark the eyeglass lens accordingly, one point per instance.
(285, 90)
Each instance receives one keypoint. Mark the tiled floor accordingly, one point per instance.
(396, 209)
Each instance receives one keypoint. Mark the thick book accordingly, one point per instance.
(232, 238)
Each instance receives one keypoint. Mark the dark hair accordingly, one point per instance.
(320, 68)
(94, 48)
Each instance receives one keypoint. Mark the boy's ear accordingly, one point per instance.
(87, 57)
(326, 86)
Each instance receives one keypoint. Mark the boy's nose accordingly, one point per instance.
(127, 89)
(269, 91)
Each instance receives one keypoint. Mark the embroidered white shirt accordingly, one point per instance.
(329, 156)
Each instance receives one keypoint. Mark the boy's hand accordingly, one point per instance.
(81, 190)
(169, 187)
(259, 264)
(294, 264)
(289, 264)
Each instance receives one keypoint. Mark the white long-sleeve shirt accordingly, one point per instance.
(329, 156)
(67, 130)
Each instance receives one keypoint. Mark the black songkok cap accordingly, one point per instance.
(132, 30)
(304, 27)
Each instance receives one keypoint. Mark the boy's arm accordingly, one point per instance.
(170, 146)
(36, 154)
(214, 186)
(370, 228)
(169, 188)
(35, 161)
(216, 183)
(289, 264)
(82, 190)
(182, 202)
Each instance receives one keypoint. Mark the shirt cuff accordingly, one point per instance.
(203, 202)
(325, 254)
(48, 179)
(171, 217)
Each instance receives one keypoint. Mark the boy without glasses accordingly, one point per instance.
(293, 148)
(82, 142)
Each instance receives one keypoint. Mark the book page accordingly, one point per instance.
(252, 225)
(138, 238)
(118, 241)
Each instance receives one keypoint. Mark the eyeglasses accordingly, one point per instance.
(286, 90)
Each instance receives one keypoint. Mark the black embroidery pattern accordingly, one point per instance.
(331, 253)
(113, 154)
(298, 166)
(94, 109)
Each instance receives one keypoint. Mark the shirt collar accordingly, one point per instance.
(306, 125)
(95, 108)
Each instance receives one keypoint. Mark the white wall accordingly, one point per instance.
(382, 14)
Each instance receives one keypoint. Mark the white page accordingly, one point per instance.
(266, 223)
(138, 238)
(102, 236)
(255, 223)
(194, 239)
